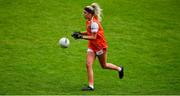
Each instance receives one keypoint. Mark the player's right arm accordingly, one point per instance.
(84, 32)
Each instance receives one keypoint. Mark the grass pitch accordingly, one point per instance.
(143, 36)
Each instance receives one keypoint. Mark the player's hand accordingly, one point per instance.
(77, 35)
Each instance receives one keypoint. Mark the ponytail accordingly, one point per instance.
(94, 9)
(97, 11)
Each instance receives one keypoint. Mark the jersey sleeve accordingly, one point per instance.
(94, 27)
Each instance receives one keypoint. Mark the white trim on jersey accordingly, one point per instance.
(94, 27)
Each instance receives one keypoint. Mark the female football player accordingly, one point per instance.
(97, 46)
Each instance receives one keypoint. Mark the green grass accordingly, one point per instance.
(143, 36)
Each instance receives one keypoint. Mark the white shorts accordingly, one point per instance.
(100, 52)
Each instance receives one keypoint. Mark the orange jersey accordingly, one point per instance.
(100, 42)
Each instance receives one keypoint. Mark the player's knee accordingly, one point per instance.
(88, 64)
(104, 66)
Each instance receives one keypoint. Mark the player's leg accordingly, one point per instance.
(102, 59)
(104, 64)
(89, 66)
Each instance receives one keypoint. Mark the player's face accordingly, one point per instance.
(87, 15)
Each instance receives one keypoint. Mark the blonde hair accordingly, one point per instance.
(97, 11)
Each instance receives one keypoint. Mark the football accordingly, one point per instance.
(64, 42)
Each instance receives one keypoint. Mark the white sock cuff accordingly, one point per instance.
(91, 86)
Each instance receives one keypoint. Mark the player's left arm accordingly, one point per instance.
(94, 30)
(92, 37)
